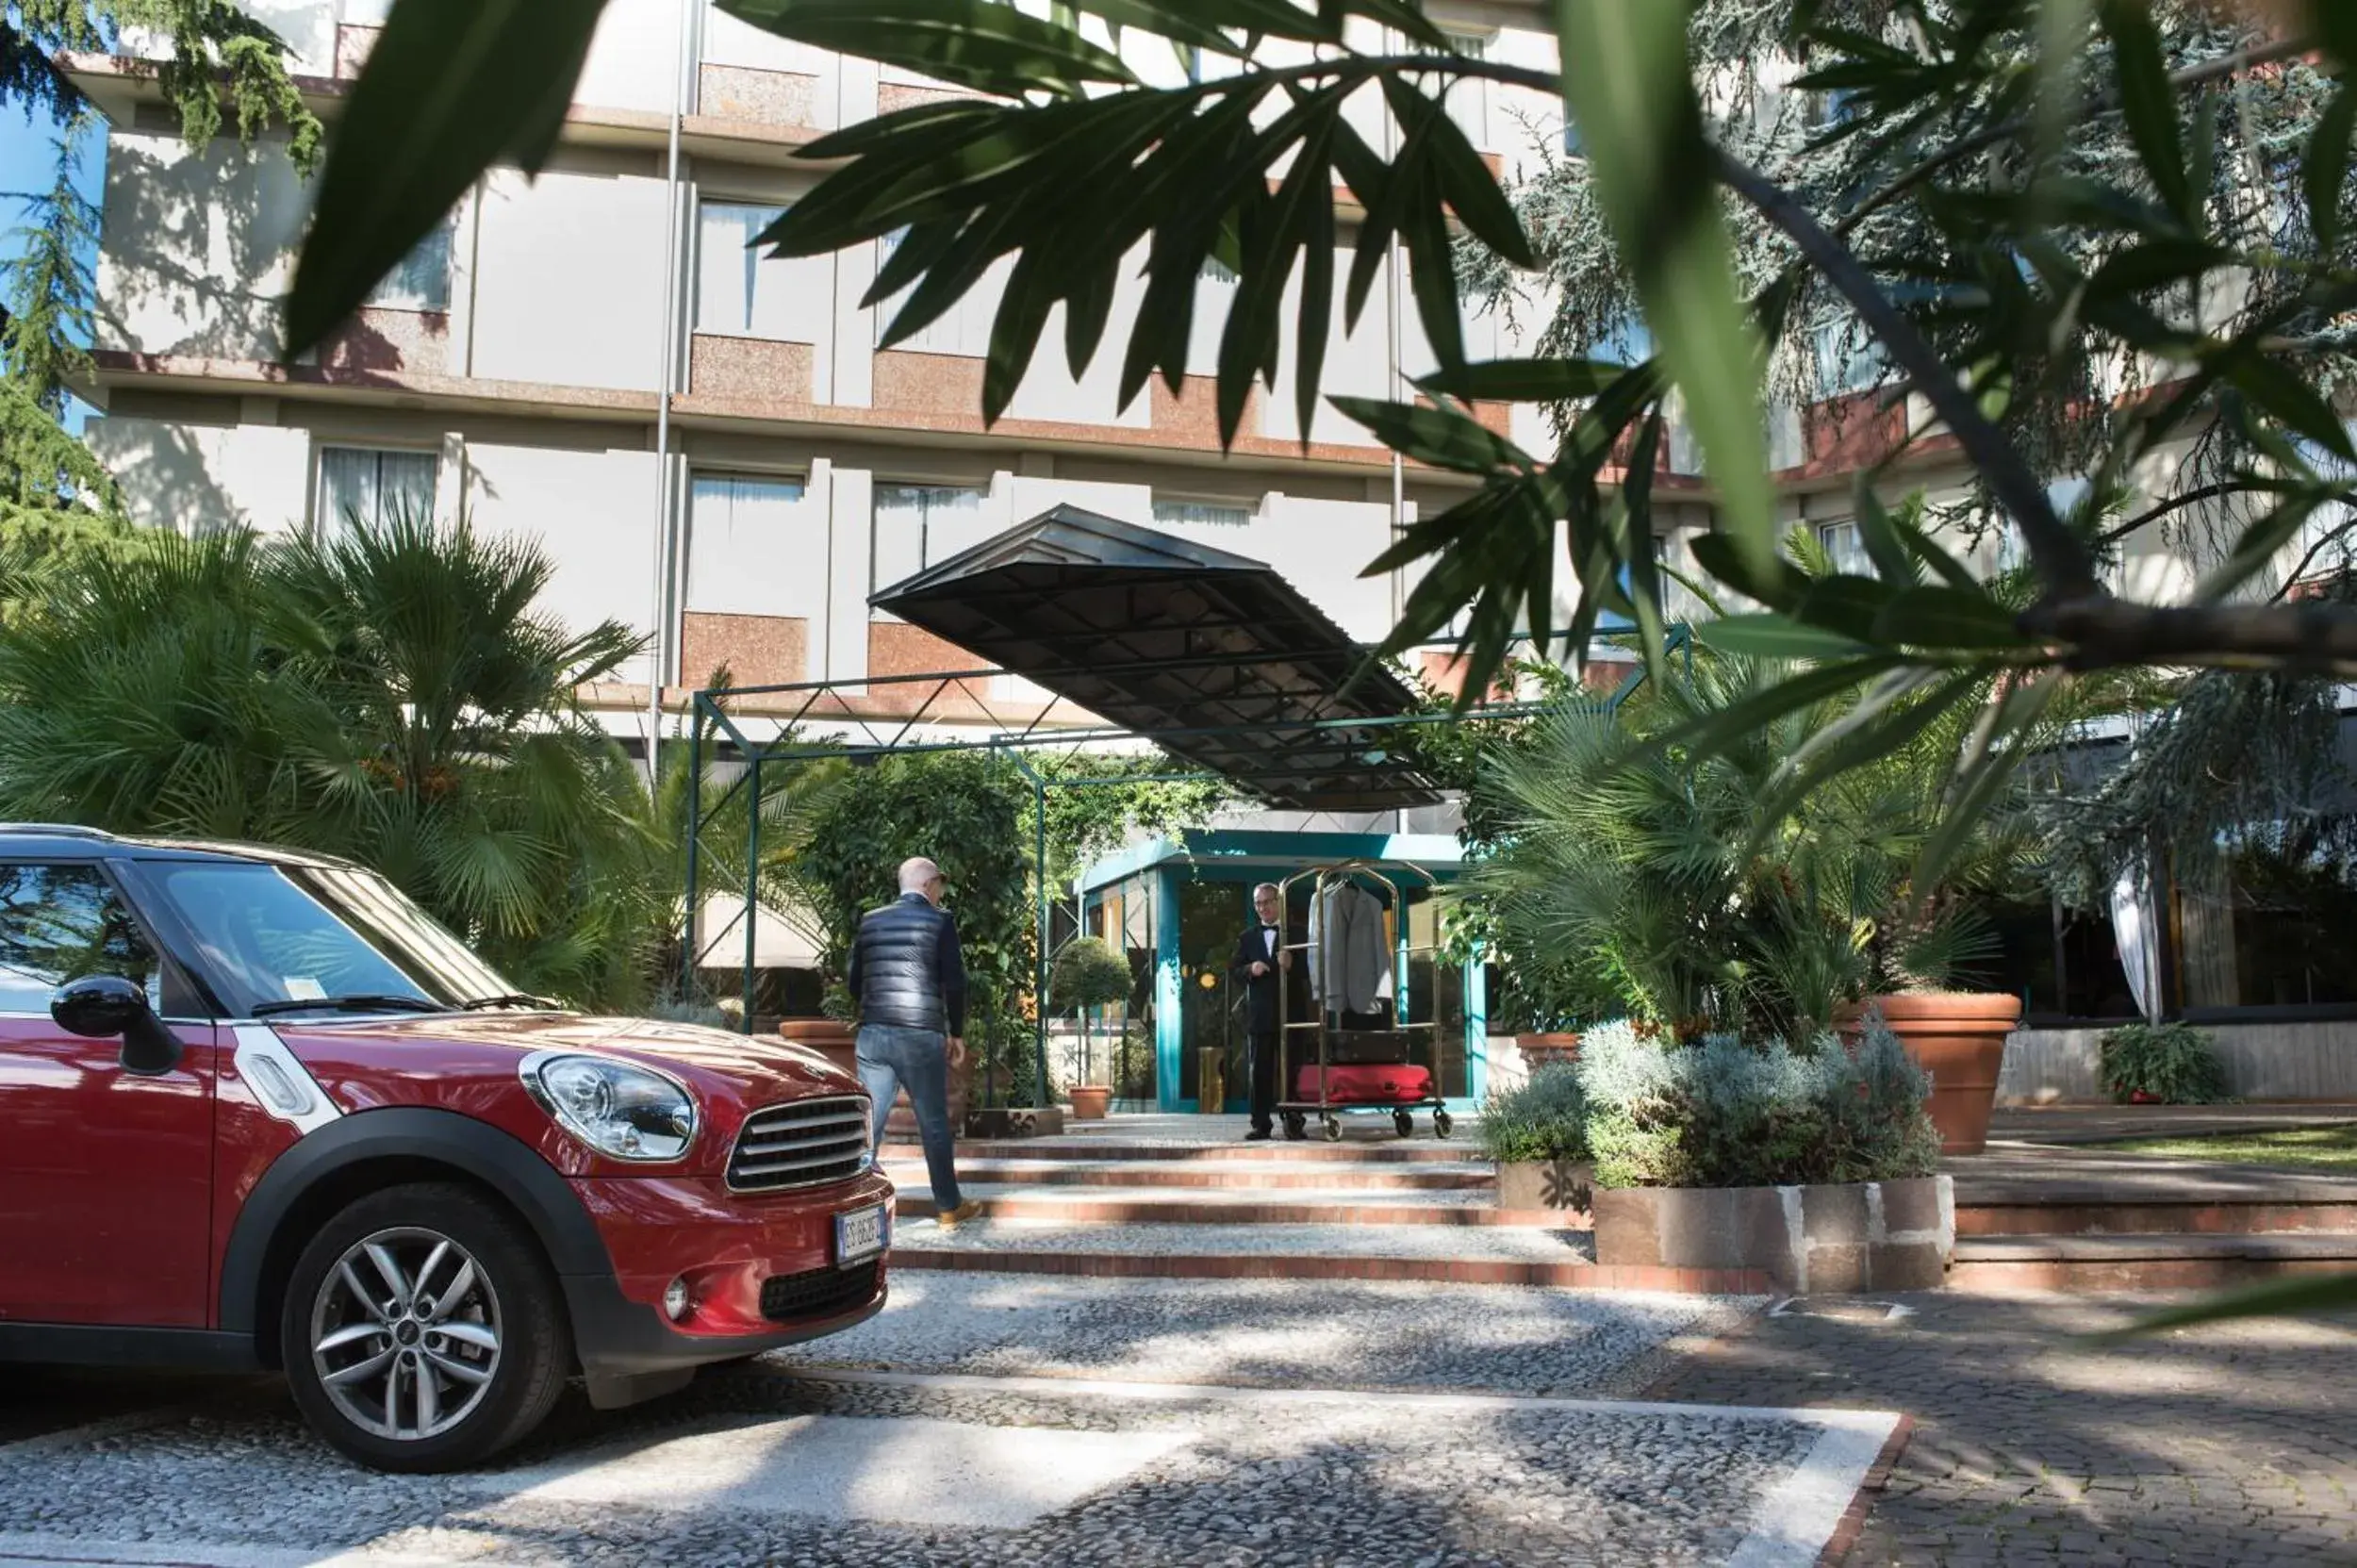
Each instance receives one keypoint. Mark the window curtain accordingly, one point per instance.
(742, 291)
(421, 280)
(2135, 927)
(739, 531)
(918, 525)
(963, 328)
(1201, 514)
(370, 489)
(728, 268)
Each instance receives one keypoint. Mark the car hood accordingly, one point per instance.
(387, 1059)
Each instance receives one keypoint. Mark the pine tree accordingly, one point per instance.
(53, 493)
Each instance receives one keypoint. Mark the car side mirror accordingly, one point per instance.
(108, 1007)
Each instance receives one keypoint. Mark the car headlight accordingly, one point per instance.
(621, 1110)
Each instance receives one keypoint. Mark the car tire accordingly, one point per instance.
(399, 1377)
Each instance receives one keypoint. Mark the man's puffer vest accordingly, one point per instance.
(900, 967)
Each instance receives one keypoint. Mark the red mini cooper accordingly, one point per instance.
(263, 1112)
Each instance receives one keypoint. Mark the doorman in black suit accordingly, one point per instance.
(1259, 954)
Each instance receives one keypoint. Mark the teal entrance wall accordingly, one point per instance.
(1242, 858)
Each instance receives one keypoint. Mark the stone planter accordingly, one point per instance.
(1014, 1121)
(1864, 1236)
(836, 1041)
(1959, 1038)
(1562, 1186)
(1547, 1050)
(1089, 1102)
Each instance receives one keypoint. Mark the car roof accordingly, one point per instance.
(65, 841)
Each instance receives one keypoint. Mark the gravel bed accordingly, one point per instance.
(1508, 1242)
(1276, 1334)
(1365, 1480)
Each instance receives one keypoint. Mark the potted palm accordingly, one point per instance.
(1088, 974)
(1727, 893)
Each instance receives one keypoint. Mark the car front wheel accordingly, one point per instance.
(422, 1329)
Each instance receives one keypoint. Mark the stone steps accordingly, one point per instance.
(1238, 1206)
(1256, 1175)
(2146, 1261)
(2090, 1215)
(1360, 1148)
(1492, 1255)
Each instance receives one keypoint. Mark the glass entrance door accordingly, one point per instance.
(1211, 915)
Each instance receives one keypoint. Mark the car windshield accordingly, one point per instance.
(276, 936)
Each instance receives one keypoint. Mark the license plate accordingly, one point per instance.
(860, 1235)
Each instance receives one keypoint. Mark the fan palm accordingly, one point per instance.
(390, 696)
(1681, 888)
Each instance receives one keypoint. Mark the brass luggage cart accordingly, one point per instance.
(1355, 1049)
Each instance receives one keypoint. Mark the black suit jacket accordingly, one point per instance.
(1261, 996)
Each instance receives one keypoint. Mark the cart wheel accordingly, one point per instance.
(1296, 1127)
(1442, 1123)
(1405, 1123)
(1333, 1129)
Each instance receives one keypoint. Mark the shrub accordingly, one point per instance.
(1089, 973)
(2173, 1063)
(1543, 1119)
(1725, 1113)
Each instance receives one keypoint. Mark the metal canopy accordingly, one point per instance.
(1215, 658)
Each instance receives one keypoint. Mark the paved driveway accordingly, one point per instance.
(2233, 1447)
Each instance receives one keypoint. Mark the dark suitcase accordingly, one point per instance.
(1352, 1048)
(1389, 1083)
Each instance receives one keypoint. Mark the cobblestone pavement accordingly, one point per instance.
(2230, 1446)
(1014, 1420)
(1276, 1334)
(727, 1474)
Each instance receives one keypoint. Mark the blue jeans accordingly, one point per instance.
(892, 1059)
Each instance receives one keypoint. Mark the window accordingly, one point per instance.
(65, 922)
(370, 488)
(1847, 359)
(919, 526)
(739, 290)
(269, 933)
(962, 329)
(1628, 342)
(1847, 547)
(1202, 514)
(739, 532)
(421, 281)
(1468, 97)
(2013, 551)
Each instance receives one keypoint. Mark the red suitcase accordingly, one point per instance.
(1388, 1083)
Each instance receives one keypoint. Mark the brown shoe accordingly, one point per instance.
(949, 1219)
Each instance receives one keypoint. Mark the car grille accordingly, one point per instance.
(807, 1143)
(821, 1294)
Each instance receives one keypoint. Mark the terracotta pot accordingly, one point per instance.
(1091, 1101)
(1959, 1038)
(1559, 1049)
(836, 1041)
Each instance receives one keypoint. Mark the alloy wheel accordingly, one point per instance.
(405, 1334)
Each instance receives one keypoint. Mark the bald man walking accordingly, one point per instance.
(908, 978)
